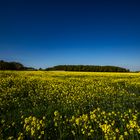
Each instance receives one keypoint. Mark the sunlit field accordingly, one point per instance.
(69, 105)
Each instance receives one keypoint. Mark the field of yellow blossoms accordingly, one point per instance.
(69, 106)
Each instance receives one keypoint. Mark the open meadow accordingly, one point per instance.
(69, 105)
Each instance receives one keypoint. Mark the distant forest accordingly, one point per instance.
(13, 66)
(85, 68)
(88, 68)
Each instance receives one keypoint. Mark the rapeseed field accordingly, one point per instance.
(69, 105)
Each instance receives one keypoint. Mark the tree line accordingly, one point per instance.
(87, 68)
(13, 66)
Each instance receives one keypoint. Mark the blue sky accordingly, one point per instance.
(44, 33)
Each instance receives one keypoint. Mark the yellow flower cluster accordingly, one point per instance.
(34, 127)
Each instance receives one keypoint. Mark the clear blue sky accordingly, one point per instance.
(43, 33)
